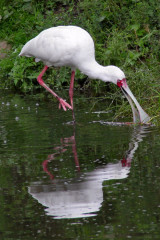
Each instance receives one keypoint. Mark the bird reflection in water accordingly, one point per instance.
(83, 195)
(65, 142)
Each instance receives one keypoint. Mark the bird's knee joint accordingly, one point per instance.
(40, 81)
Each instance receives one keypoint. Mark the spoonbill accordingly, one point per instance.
(73, 46)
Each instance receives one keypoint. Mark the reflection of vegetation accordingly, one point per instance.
(126, 34)
(130, 207)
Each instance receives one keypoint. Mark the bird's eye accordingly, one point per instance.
(119, 83)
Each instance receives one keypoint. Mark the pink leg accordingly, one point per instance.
(74, 149)
(62, 103)
(71, 88)
(44, 164)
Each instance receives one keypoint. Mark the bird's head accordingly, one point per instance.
(113, 74)
(116, 75)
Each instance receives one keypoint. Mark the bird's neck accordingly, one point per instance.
(94, 70)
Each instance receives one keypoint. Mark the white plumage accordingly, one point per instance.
(61, 46)
(72, 46)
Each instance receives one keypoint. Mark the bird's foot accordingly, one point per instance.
(63, 104)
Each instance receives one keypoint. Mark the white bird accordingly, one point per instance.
(72, 46)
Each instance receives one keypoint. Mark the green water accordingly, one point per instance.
(92, 180)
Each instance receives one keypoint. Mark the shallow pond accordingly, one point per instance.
(91, 180)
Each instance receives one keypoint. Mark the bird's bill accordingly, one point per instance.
(136, 117)
(139, 116)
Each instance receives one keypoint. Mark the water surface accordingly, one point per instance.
(92, 180)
